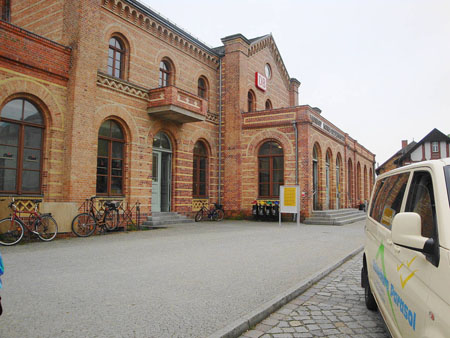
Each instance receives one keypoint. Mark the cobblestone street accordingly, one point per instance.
(333, 307)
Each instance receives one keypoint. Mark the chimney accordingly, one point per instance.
(404, 143)
(317, 110)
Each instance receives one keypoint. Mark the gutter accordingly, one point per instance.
(220, 132)
(294, 124)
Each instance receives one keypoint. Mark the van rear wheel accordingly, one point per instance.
(371, 304)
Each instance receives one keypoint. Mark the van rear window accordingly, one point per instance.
(447, 181)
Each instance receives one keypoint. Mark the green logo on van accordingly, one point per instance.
(383, 278)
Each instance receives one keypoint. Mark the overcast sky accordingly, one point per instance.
(379, 70)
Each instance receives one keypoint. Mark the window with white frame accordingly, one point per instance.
(435, 147)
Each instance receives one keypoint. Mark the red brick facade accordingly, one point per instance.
(71, 86)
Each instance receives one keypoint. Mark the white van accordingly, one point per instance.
(406, 264)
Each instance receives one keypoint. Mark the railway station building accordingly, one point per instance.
(108, 98)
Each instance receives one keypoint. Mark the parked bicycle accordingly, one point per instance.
(12, 227)
(107, 218)
(214, 213)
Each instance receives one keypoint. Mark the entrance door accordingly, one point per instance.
(315, 180)
(161, 173)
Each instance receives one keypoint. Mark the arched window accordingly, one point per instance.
(200, 171)
(350, 183)
(328, 179)
(202, 88)
(5, 10)
(268, 104)
(338, 181)
(315, 167)
(358, 183)
(116, 58)
(251, 101)
(21, 140)
(270, 169)
(165, 73)
(110, 158)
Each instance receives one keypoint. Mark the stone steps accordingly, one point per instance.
(335, 217)
(164, 219)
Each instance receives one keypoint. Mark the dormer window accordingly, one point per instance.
(435, 147)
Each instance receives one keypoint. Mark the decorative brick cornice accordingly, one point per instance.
(212, 117)
(152, 25)
(124, 87)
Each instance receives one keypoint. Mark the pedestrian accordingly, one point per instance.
(1, 273)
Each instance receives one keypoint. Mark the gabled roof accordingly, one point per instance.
(433, 136)
(267, 41)
(166, 22)
(258, 44)
(398, 153)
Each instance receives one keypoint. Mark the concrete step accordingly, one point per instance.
(164, 219)
(335, 217)
(336, 212)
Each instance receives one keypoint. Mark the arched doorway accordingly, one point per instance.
(161, 173)
(315, 179)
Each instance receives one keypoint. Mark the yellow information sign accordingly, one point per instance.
(289, 197)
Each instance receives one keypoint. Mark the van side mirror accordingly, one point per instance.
(407, 231)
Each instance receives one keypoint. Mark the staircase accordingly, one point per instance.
(335, 217)
(164, 219)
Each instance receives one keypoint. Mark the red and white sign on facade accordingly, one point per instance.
(260, 81)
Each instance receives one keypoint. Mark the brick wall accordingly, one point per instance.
(41, 17)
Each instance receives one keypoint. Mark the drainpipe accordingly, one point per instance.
(220, 130)
(294, 124)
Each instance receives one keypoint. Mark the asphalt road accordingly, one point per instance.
(185, 281)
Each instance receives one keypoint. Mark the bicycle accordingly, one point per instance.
(215, 213)
(84, 224)
(12, 227)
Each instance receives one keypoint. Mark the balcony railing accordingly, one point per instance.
(174, 104)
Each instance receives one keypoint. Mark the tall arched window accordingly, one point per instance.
(268, 104)
(251, 101)
(202, 88)
(327, 179)
(338, 181)
(165, 73)
(270, 169)
(5, 10)
(350, 183)
(200, 171)
(315, 167)
(110, 158)
(358, 183)
(21, 139)
(116, 58)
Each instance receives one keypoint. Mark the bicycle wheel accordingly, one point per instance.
(218, 215)
(46, 228)
(11, 231)
(199, 215)
(112, 220)
(83, 225)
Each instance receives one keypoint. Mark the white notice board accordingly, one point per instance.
(290, 200)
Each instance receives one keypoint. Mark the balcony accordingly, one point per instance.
(174, 104)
